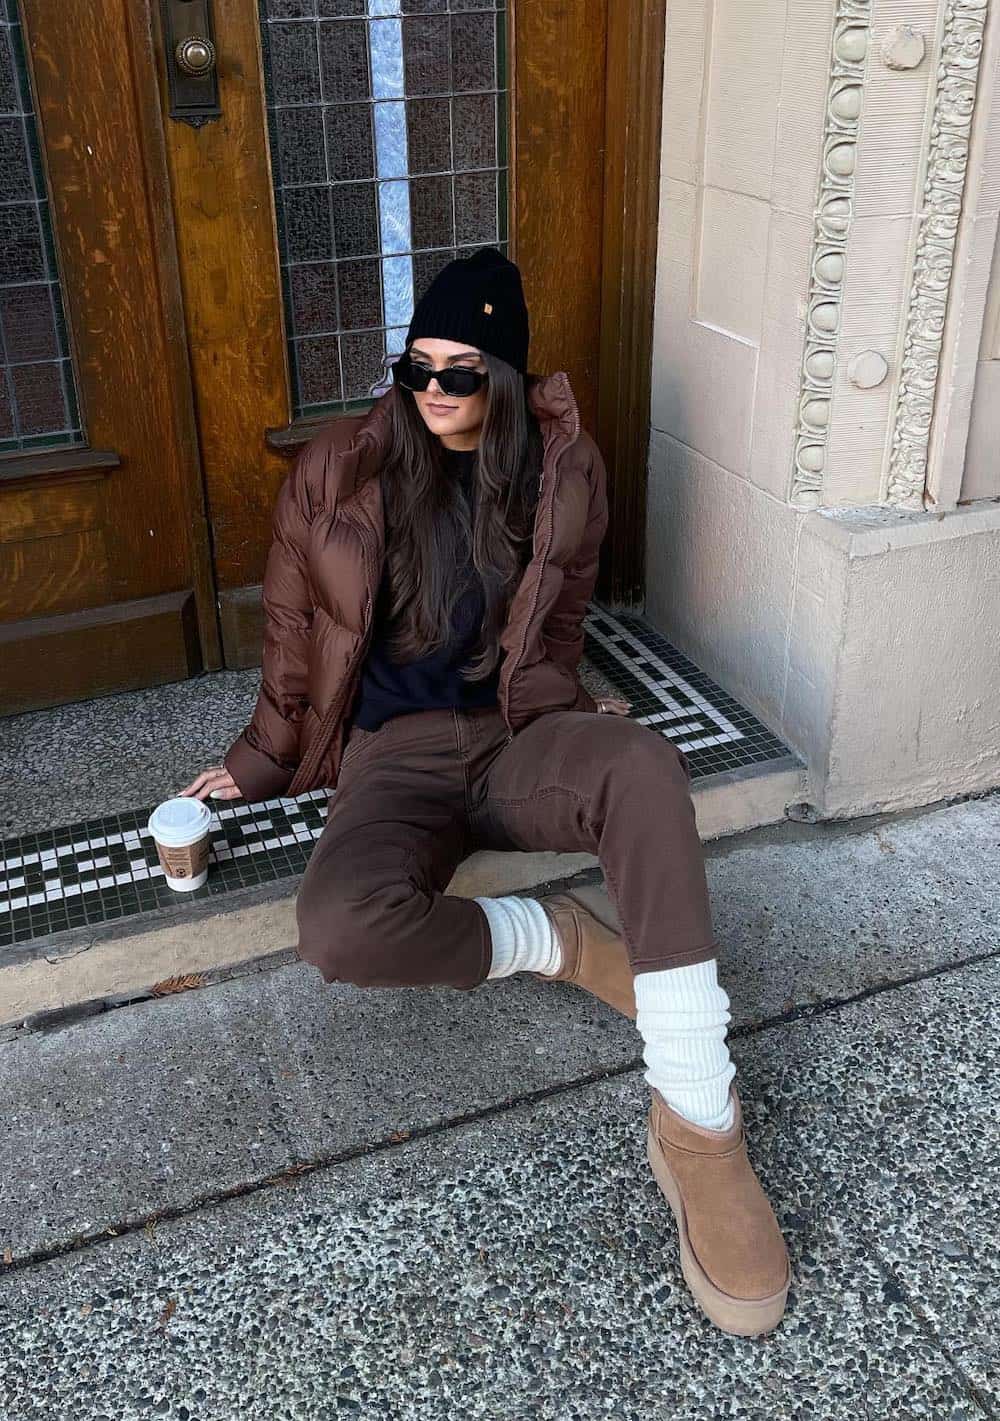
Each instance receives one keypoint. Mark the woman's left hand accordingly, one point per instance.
(213, 783)
(611, 705)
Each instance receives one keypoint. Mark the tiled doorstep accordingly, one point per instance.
(103, 868)
(236, 922)
(85, 912)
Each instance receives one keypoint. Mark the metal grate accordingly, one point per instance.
(387, 126)
(38, 404)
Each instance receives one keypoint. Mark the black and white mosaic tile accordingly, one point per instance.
(670, 693)
(99, 870)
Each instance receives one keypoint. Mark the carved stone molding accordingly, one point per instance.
(832, 222)
(944, 186)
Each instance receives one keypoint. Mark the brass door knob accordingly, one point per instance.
(195, 55)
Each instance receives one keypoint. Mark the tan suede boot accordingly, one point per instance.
(594, 953)
(733, 1256)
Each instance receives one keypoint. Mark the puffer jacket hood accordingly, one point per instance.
(325, 564)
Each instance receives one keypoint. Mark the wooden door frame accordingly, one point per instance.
(607, 348)
(184, 416)
(229, 271)
(633, 129)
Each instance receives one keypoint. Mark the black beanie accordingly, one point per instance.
(478, 299)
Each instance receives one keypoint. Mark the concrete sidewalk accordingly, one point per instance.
(277, 1200)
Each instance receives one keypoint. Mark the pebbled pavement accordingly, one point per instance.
(522, 1263)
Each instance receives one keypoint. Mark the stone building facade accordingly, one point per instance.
(824, 477)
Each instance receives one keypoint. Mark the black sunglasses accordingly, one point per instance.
(454, 380)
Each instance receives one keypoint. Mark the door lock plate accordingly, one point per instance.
(192, 72)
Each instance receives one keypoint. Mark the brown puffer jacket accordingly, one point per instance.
(322, 576)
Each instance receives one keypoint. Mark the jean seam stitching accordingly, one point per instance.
(702, 947)
(538, 794)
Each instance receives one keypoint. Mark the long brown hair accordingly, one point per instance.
(428, 527)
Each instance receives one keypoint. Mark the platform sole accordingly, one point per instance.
(742, 1317)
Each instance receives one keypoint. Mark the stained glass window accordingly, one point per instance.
(387, 123)
(38, 405)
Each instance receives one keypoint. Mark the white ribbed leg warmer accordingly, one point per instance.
(682, 1012)
(523, 936)
(682, 1015)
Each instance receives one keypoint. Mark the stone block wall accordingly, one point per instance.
(829, 198)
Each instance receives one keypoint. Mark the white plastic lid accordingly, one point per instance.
(179, 821)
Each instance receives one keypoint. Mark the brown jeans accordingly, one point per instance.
(426, 789)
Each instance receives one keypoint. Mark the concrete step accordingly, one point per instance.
(84, 970)
(144, 1113)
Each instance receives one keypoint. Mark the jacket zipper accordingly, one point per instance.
(322, 742)
(538, 582)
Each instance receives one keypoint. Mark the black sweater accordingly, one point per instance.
(390, 688)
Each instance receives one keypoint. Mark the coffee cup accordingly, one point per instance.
(180, 832)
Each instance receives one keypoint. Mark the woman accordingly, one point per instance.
(424, 594)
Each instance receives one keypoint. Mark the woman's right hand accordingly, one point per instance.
(215, 782)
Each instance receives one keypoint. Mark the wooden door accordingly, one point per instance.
(231, 277)
(105, 575)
